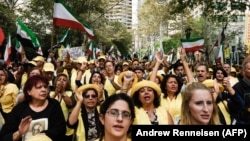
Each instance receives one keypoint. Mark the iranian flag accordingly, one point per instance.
(92, 51)
(192, 45)
(2, 37)
(68, 45)
(220, 57)
(18, 47)
(65, 35)
(26, 37)
(111, 49)
(7, 52)
(40, 51)
(63, 16)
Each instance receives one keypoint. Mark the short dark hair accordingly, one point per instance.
(177, 64)
(110, 62)
(139, 68)
(31, 82)
(110, 101)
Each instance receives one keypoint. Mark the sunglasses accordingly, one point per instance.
(90, 96)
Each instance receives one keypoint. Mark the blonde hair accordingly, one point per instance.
(187, 94)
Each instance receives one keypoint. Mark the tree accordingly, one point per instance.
(37, 15)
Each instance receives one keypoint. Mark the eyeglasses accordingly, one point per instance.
(116, 113)
(91, 95)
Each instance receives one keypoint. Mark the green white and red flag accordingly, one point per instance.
(7, 52)
(62, 16)
(192, 45)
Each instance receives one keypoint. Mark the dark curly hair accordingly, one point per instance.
(164, 81)
(138, 103)
(221, 69)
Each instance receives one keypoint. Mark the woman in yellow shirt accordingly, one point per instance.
(8, 94)
(65, 96)
(171, 98)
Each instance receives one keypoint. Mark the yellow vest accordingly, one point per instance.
(72, 79)
(172, 106)
(233, 80)
(80, 130)
(141, 116)
(69, 131)
(109, 86)
(224, 110)
(86, 76)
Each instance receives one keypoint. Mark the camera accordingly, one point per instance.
(180, 75)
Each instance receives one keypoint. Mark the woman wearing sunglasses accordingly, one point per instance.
(84, 116)
(116, 115)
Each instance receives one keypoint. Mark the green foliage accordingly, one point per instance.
(7, 18)
(38, 16)
(121, 37)
(170, 44)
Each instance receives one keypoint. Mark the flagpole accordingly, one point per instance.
(52, 36)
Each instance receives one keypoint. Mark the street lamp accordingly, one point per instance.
(188, 32)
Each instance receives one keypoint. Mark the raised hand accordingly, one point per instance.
(129, 76)
(183, 54)
(24, 125)
(79, 96)
(226, 83)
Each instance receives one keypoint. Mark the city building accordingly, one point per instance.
(121, 12)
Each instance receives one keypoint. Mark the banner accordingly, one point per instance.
(74, 52)
(247, 31)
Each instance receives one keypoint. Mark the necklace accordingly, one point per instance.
(155, 121)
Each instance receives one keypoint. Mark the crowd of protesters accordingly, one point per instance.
(78, 100)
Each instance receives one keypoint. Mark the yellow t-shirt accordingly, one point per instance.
(8, 97)
(24, 79)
